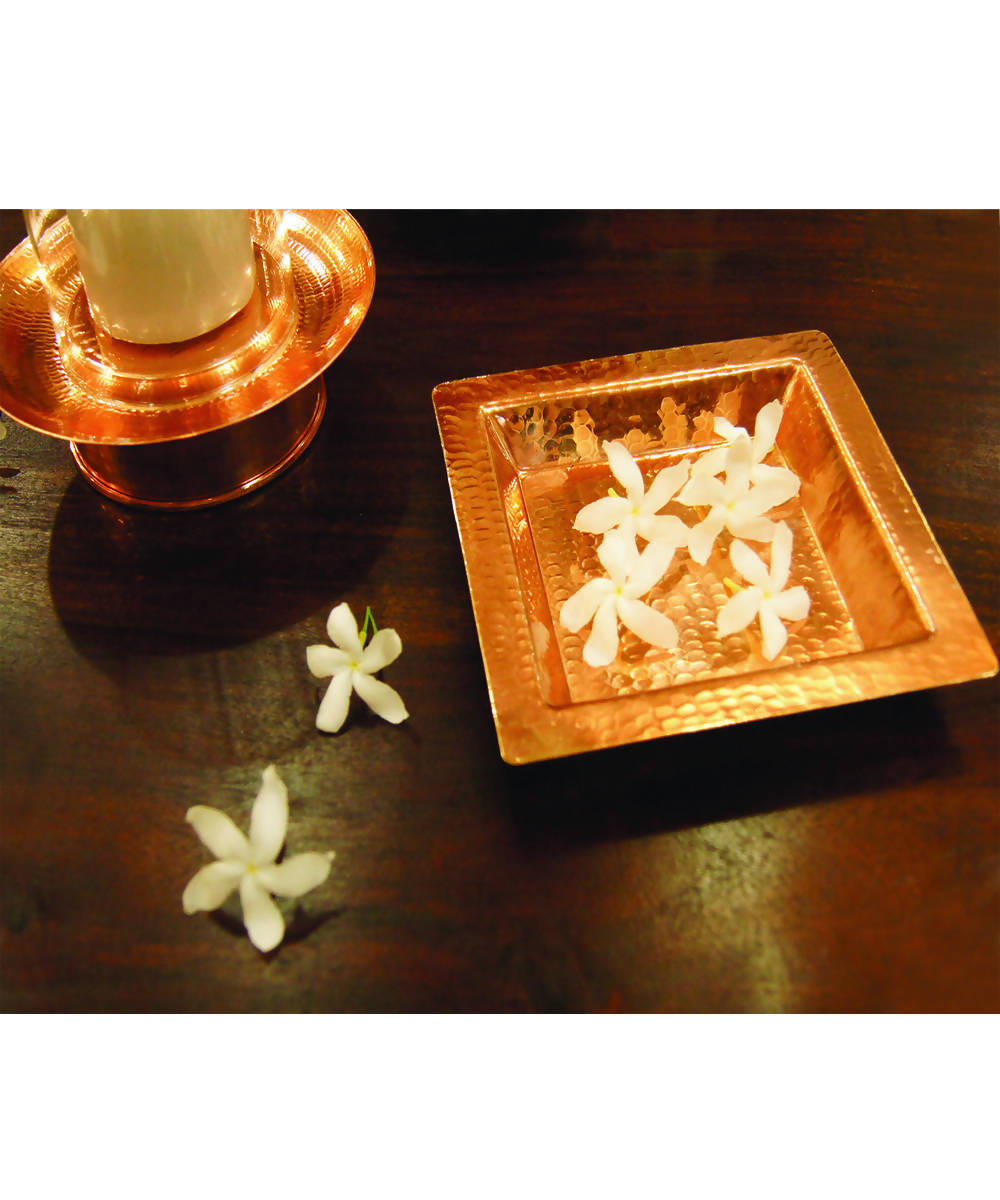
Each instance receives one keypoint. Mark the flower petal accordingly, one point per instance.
(383, 700)
(665, 486)
(602, 645)
(581, 606)
(703, 535)
(296, 875)
(663, 529)
(726, 428)
(739, 611)
(650, 569)
(702, 489)
(792, 605)
(781, 557)
(218, 833)
(749, 564)
(269, 817)
(739, 462)
(773, 633)
(778, 486)
(601, 515)
(766, 429)
(711, 463)
(618, 555)
(211, 886)
(261, 916)
(325, 660)
(772, 477)
(342, 629)
(625, 469)
(757, 529)
(385, 647)
(650, 625)
(335, 703)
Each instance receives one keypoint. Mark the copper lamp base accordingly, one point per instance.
(206, 435)
(209, 468)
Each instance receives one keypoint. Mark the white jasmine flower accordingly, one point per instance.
(353, 667)
(736, 504)
(606, 601)
(766, 597)
(765, 433)
(250, 863)
(635, 513)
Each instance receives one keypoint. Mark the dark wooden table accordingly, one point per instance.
(841, 860)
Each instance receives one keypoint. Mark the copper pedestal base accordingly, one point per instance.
(210, 468)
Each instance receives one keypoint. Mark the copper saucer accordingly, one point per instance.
(154, 454)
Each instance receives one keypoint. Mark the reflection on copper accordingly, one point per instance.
(523, 456)
(206, 432)
(333, 276)
(548, 668)
(123, 373)
(212, 467)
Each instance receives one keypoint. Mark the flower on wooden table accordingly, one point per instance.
(353, 666)
(635, 513)
(766, 598)
(250, 863)
(606, 600)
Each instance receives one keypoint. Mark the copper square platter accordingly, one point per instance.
(523, 455)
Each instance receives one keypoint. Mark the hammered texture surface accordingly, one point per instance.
(691, 595)
(523, 455)
(333, 277)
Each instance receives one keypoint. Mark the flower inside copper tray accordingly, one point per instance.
(548, 463)
(524, 452)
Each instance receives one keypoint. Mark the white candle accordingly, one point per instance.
(163, 275)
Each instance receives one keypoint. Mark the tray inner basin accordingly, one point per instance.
(548, 463)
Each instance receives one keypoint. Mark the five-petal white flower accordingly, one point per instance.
(353, 667)
(766, 597)
(635, 513)
(765, 434)
(250, 863)
(606, 600)
(736, 504)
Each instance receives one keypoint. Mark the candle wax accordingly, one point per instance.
(163, 275)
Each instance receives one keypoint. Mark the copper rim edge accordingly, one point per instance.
(885, 565)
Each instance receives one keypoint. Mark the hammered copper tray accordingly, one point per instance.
(523, 454)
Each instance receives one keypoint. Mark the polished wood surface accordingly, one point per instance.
(842, 860)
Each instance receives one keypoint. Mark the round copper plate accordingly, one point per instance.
(334, 277)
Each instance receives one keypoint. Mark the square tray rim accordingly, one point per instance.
(955, 650)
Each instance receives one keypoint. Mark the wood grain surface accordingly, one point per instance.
(840, 861)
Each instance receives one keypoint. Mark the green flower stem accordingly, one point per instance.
(369, 619)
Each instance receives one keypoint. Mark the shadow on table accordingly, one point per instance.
(299, 925)
(131, 582)
(728, 774)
